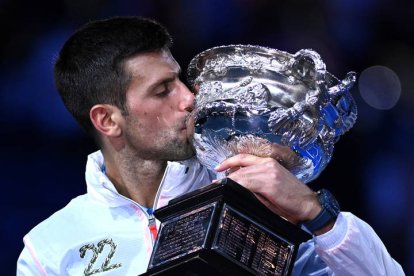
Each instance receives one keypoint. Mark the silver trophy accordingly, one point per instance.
(251, 98)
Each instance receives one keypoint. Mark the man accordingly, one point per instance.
(119, 80)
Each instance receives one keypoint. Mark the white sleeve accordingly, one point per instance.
(26, 265)
(352, 247)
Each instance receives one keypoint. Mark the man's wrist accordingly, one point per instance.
(315, 209)
(325, 219)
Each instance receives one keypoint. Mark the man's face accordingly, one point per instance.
(158, 104)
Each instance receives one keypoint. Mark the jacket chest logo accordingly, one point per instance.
(95, 251)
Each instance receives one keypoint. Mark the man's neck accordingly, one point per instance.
(136, 179)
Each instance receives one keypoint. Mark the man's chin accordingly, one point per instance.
(187, 152)
(190, 154)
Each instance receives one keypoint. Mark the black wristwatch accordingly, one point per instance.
(330, 211)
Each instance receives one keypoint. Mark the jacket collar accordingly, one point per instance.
(99, 187)
(102, 190)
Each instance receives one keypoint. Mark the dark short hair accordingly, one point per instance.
(90, 67)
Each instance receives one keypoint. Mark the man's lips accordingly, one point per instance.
(189, 121)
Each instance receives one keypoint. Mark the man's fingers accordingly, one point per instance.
(283, 154)
(240, 160)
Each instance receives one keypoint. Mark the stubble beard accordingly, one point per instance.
(179, 150)
(168, 146)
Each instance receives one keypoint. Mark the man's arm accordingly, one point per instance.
(274, 186)
(353, 248)
(347, 245)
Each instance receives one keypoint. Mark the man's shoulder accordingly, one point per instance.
(66, 241)
(63, 218)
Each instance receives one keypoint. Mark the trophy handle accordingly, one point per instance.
(344, 104)
(339, 108)
(309, 66)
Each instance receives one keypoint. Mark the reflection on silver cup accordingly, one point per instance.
(250, 98)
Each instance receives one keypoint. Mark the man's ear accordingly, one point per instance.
(106, 119)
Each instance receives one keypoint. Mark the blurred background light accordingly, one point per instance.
(380, 87)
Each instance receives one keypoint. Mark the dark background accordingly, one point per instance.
(43, 151)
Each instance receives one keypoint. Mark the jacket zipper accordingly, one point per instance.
(152, 223)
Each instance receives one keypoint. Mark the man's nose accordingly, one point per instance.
(187, 100)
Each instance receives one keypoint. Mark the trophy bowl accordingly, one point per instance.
(250, 99)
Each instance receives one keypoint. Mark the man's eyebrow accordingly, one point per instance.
(172, 76)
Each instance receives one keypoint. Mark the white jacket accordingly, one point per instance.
(104, 233)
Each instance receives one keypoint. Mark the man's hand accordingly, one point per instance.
(274, 186)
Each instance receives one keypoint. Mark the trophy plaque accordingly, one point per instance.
(223, 229)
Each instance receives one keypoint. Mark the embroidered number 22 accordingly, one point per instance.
(96, 250)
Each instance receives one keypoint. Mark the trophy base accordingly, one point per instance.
(203, 263)
(223, 229)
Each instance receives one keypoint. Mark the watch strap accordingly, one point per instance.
(330, 211)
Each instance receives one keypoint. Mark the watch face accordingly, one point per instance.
(329, 212)
(329, 202)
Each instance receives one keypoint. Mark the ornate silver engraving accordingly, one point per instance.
(269, 95)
